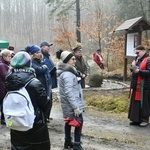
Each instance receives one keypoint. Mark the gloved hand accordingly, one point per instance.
(78, 73)
(44, 67)
(77, 112)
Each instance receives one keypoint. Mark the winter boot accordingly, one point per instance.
(77, 146)
(68, 143)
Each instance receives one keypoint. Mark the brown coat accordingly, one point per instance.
(81, 66)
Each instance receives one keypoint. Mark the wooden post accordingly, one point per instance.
(139, 37)
(125, 59)
(125, 69)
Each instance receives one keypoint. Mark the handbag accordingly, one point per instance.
(74, 121)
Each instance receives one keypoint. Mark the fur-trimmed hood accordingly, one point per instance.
(65, 67)
(70, 90)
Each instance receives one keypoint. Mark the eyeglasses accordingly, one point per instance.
(12, 55)
(137, 53)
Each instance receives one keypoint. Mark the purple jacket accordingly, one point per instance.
(4, 66)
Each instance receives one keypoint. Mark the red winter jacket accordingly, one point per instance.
(96, 58)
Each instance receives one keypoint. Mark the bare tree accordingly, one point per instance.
(78, 33)
(24, 22)
(61, 8)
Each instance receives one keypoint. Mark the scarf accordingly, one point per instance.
(139, 86)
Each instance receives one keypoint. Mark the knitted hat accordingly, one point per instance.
(21, 60)
(65, 56)
(32, 49)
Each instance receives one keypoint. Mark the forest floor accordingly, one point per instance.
(101, 130)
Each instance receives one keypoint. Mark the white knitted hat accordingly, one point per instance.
(66, 56)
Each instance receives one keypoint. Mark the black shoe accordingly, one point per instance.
(68, 143)
(77, 146)
(135, 123)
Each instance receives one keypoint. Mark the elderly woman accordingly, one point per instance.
(4, 67)
(71, 97)
(21, 73)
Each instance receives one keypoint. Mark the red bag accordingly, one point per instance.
(73, 121)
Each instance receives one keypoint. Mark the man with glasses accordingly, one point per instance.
(140, 87)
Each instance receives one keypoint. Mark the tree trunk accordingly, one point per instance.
(78, 21)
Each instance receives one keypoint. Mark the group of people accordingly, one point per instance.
(35, 64)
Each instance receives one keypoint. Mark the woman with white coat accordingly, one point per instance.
(71, 98)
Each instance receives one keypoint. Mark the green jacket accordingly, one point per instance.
(81, 65)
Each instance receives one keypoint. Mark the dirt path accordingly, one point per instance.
(101, 131)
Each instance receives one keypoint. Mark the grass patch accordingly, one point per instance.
(117, 104)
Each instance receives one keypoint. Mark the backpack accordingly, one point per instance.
(18, 110)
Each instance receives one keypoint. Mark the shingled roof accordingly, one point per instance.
(134, 24)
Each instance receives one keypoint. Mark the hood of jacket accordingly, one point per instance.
(62, 67)
(16, 79)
